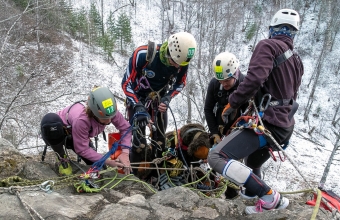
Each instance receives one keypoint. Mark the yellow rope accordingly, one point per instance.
(84, 187)
(317, 205)
(298, 191)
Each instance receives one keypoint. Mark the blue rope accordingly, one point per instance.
(100, 163)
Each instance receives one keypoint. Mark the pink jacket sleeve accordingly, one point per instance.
(123, 126)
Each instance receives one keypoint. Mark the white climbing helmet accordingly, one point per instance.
(286, 16)
(225, 65)
(182, 47)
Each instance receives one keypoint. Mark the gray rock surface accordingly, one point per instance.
(127, 200)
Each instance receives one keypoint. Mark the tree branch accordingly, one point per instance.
(9, 107)
(7, 34)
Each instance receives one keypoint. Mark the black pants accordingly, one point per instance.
(160, 122)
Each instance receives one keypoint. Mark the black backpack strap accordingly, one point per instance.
(69, 126)
(44, 153)
(68, 111)
(282, 58)
(277, 62)
(219, 93)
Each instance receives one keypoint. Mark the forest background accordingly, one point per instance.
(52, 52)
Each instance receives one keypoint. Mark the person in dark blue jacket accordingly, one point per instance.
(219, 89)
(150, 85)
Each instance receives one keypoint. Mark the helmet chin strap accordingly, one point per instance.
(234, 82)
(97, 120)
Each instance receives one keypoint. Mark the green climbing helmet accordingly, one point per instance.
(102, 103)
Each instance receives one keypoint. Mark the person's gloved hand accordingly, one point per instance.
(114, 163)
(216, 138)
(164, 103)
(228, 110)
(143, 116)
(124, 159)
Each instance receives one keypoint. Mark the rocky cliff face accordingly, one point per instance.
(32, 189)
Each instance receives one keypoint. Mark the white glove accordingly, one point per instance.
(114, 163)
(124, 159)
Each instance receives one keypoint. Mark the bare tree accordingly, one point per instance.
(316, 80)
(37, 23)
(334, 23)
(30, 79)
(330, 160)
(335, 120)
(316, 74)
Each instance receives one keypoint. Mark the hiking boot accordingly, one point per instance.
(65, 168)
(268, 202)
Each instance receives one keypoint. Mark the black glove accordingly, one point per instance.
(142, 115)
(166, 100)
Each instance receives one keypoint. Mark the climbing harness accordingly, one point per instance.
(251, 119)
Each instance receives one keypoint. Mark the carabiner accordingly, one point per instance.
(90, 174)
(144, 83)
(147, 103)
(47, 186)
(262, 109)
(282, 158)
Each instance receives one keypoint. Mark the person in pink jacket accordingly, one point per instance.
(73, 126)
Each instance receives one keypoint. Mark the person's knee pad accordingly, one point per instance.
(237, 172)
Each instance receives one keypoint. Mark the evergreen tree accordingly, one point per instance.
(67, 18)
(107, 43)
(110, 25)
(82, 23)
(96, 24)
(123, 31)
(23, 3)
(109, 37)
